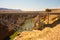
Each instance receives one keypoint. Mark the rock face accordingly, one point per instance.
(45, 34)
(4, 31)
(44, 22)
(9, 23)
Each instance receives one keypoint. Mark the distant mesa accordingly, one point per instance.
(3, 9)
(7, 10)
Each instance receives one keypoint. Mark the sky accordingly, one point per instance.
(30, 5)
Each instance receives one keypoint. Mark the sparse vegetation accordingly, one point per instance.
(14, 35)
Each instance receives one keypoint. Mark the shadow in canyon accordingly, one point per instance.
(53, 24)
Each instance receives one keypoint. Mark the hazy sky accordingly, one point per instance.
(30, 4)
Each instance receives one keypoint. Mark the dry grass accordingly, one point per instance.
(45, 34)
